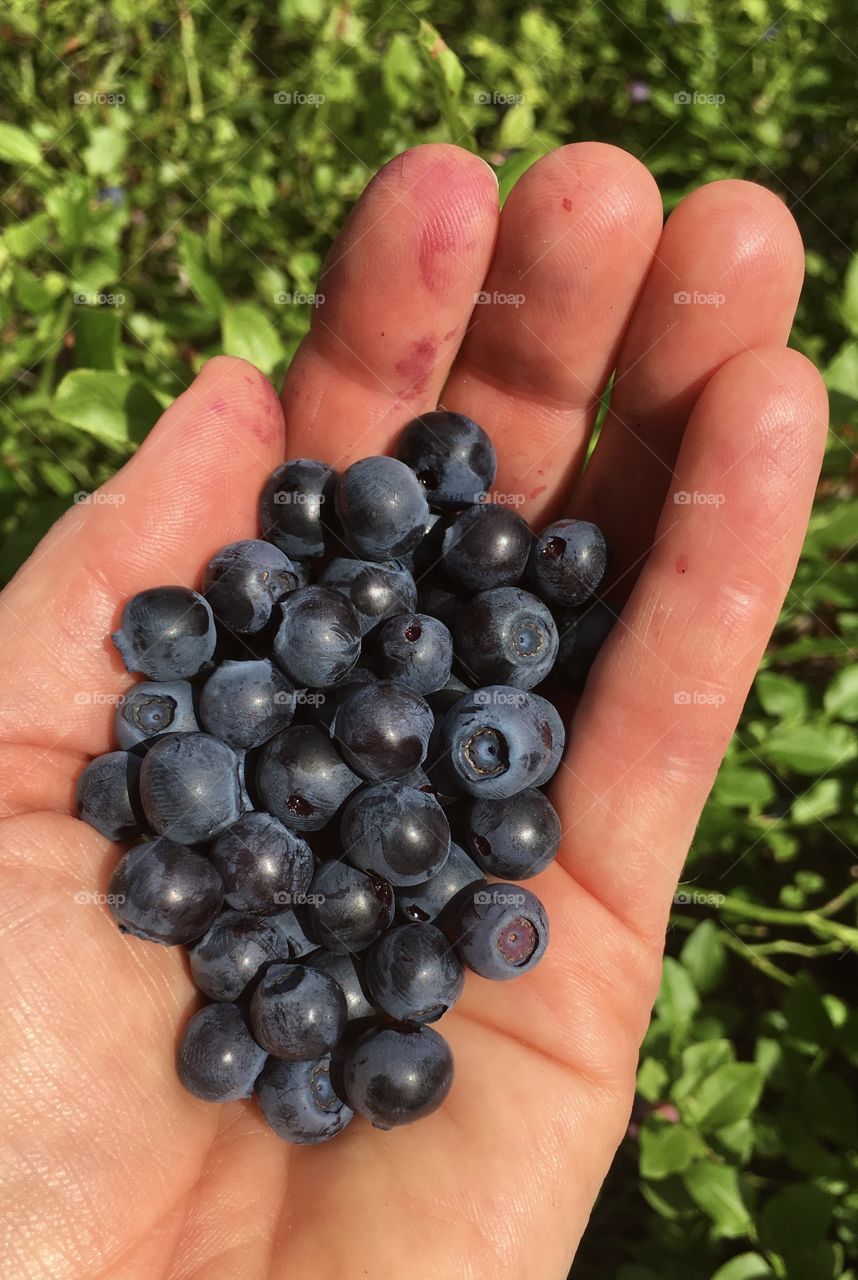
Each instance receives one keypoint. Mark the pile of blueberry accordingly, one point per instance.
(333, 769)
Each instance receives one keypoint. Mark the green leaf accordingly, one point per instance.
(807, 1018)
(780, 695)
(715, 1188)
(705, 956)
(849, 299)
(96, 335)
(18, 147)
(743, 787)
(677, 1001)
(810, 748)
(822, 800)
(666, 1149)
(699, 1061)
(736, 1139)
(512, 169)
(745, 1266)
(795, 1218)
(729, 1094)
(110, 406)
(442, 56)
(652, 1079)
(248, 332)
(192, 255)
(517, 125)
(106, 150)
(841, 696)
(23, 238)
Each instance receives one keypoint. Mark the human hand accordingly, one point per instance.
(111, 1168)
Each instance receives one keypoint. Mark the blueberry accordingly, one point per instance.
(553, 731)
(262, 863)
(376, 591)
(396, 831)
(107, 795)
(218, 1059)
(501, 931)
(322, 705)
(414, 649)
(382, 508)
(189, 787)
(168, 633)
(495, 742)
(486, 546)
(299, 1101)
(394, 1075)
(153, 707)
(296, 507)
(302, 779)
(243, 582)
(435, 898)
(567, 562)
(318, 641)
(506, 636)
(246, 703)
(348, 909)
(164, 892)
(383, 730)
(231, 953)
(582, 632)
(348, 972)
(453, 457)
(515, 838)
(297, 1013)
(413, 973)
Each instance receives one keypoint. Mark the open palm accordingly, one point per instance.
(702, 480)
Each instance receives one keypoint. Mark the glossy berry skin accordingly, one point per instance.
(264, 866)
(501, 931)
(383, 730)
(325, 702)
(190, 787)
(414, 974)
(231, 953)
(396, 831)
(582, 632)
(167, 633)
(246, 703)
(218, 1060)
(506, 636)
(553, 730)
(376, 591)
(452, 456)
(398, 1074)
(302, 779)
(165, 892)
(299, 1102)
(297, 1013)
(486, 546)
(296, 507)
(348, 972)
(515, 838)
(318, 640)
(414, 649)
(567, 562)
(382, 508)
(435, 898)
(495, 742)
(154, 707)
(243, 582)
(348, 908)
(107, 795)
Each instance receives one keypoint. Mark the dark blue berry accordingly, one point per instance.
(582, 632)
(413, 973)
(435, 898)
(486, 546)
(515, 838)
(347, 908)
(567, 562)
(397, 1074)
(299, 1101)
(218, 1059)
(154, 707)
(164, 892)
(414, 649)
(452, 456)
(246, 703)
(495, 742)
(189, 787)
(383, 730)
(296, 508)
(376, 591)
(167, 633)
(397, 831)
(302, 779)
(506, 636)
(382, 508)
(297, 1013)
(501, 931)
(348, 972)
(264, 866)
(318, 640)
(231, 953)
(107, 795)
(243, 582)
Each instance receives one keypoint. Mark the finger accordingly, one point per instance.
(676, 670)
(577, 236)
(192, 486)
(733, 252)
(398, 288)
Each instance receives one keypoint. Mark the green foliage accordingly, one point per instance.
(172, 179)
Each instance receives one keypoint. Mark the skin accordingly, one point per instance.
(110, 1168)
